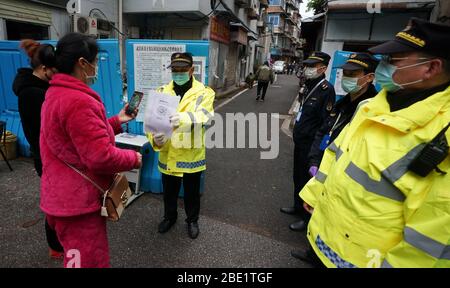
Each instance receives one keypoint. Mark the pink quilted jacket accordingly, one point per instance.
(75, 129)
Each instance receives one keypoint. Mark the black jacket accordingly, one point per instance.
(315, 110)
(31, 92)
(346, 109)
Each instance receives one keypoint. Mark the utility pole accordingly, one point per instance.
(121, 39)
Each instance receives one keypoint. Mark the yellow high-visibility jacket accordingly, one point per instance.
(185, 151)
(369, 209)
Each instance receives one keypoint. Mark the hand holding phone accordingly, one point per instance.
(134, 102)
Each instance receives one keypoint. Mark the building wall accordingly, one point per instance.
(229, 62)
(109, 7)
(60, 24)
(218, 63)
(231, 65)
(60, 19)
(362, 27)
(2, 29)
(165, 6)
(329, 48)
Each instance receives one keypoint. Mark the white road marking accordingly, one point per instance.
(229, 100)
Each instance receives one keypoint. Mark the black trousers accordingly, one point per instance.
(301, 176)
(171, 189)
(262, 85)
(52, 239)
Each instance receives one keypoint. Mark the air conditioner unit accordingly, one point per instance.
(85, 25)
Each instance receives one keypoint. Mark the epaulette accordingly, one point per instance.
(324, 86)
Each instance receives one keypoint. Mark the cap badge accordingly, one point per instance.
(413, 39)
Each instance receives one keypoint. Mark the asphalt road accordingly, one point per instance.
(240, 222)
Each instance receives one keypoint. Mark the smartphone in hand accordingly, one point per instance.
(134, 102)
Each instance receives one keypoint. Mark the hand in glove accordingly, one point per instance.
(313, 170)
(175, 120)
(159, 139)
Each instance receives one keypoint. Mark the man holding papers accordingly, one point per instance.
(182, 154)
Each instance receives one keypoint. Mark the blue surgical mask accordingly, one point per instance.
(383, 76)
(385, 72)
(180, 78)
(350, 85)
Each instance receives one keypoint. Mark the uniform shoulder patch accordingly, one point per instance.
(324, 86)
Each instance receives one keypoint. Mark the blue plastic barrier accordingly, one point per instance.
(197, 48)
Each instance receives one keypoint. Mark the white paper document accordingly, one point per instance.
(159, 108)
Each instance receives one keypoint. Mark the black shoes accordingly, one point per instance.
(302, 255)
(298, 226)
(193, 230)
(257, 98)
(289, 210)
(165, 225)
(309, 257)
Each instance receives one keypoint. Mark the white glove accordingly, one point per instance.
(175, 120)
(159, 139)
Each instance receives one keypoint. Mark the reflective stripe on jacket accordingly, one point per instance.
(185, 151)
(369, 210)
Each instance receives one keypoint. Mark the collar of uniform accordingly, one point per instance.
(346, 103)
(196, 87)
(405, 120)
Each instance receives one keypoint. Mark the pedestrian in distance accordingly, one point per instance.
(264, 76)
(249, 80)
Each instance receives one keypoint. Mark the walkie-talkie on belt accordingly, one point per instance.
(431, 156)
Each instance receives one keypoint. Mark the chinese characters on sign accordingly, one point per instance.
(220, 31)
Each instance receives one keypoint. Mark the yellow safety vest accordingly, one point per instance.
(369, 209)
(185, 151)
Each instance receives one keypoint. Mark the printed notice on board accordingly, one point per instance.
(338, 83)
(150, 68)
(200, 68)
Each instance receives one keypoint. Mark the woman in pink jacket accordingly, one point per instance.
(75, 131)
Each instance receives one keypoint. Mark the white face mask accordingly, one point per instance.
(312, 72)
(91, 79)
